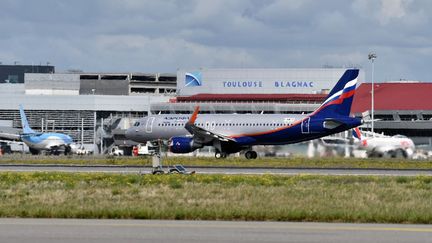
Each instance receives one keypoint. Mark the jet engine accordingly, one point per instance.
(181, 145)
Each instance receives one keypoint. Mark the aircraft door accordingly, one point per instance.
(305, 126)
(149, 125)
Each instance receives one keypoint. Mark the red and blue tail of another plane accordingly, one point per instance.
(357, 134)
(340, 98)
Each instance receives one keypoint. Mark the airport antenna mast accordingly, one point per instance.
(372, 56)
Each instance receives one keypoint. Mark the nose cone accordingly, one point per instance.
(137, 132)
(133, 134)
(129, 133)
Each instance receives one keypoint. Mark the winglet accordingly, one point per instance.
(194, 116)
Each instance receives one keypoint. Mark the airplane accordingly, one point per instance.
(232, 133)
(380, 145)
(37, 141)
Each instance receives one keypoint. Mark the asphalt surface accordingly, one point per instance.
(218, 170)
(125, 231)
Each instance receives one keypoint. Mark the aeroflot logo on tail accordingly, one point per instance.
(193, 79)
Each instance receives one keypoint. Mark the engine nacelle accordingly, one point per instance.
(182, 145)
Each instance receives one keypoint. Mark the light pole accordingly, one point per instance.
(372, 56)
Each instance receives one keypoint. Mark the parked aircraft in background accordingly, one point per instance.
(380, 145)
(54, 143)
(231, 133)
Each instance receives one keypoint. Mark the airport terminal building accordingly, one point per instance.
(96, 108)
(92, 108)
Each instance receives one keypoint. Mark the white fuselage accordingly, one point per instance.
(167, 126)
(386, 144)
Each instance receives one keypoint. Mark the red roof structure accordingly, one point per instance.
(393, 96)
(388, 96)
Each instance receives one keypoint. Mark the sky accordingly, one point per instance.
(166, 35)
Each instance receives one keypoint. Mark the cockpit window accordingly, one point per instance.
(136, 124)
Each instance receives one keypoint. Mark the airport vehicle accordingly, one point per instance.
(231, 133)
(82, 151)
(380, 145)
(180, 169)
(5, 148)
(116, 151)
(143, 149)
(54, 143)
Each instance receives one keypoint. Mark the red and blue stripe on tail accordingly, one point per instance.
(340, 98)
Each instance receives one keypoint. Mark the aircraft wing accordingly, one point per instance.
(202, 135)
(10, 136)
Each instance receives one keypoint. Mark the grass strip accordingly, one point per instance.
(334, 162)
(217, 197)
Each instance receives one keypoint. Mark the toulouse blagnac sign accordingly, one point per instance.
(258, 81)
(276, 84)
(195, 79)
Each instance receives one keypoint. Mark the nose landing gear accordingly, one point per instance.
(220, 155)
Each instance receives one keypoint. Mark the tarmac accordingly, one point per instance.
(218, 170)
(114, 231)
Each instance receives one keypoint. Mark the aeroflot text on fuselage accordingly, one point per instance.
(259, 84)
(184, 118)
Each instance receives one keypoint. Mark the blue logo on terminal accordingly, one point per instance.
(193, 79)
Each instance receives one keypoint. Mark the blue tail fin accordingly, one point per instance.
(340, 98)
(24, 122)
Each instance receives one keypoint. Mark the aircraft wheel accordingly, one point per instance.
(251, 154)
(68, 150)
(174, 171)
(220, 155)
(254, 155)
(34, 151)
(158, 172)
(399, 154)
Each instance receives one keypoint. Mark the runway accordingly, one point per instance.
(114, 231)
(217, 170)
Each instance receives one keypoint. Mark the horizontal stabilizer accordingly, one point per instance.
(332, 124)
(10, 136)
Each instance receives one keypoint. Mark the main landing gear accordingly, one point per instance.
(251, 154)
